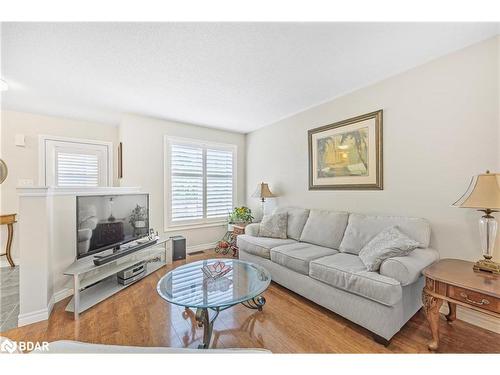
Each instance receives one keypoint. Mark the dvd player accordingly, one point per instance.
(132, 274)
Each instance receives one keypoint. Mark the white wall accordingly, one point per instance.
(23, 161)
(441, 126)
(143, 165)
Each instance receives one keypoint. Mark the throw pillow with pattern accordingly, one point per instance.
(273, 226)
(389, 243)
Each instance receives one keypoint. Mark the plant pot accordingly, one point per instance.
(230, 226)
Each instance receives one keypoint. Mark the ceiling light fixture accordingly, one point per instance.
(3, 85)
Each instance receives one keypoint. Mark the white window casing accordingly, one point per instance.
(69, 162)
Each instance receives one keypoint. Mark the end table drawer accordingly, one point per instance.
(474, 298)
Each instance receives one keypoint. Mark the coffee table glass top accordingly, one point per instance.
(187, 285)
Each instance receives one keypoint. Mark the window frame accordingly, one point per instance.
(170, 226)
(42, 158)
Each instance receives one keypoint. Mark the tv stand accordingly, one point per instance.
(94, 283)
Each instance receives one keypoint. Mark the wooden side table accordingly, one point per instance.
(237, 230)
(8, 220)
(455, 281)
(229, 239)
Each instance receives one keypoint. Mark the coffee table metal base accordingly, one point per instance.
(204, 320)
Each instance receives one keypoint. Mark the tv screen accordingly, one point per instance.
(107, 221)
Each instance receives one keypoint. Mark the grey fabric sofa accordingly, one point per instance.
(319, 260)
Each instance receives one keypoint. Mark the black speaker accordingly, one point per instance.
(178, 248)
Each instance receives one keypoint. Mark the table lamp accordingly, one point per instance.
(483, 194)
(263, 192)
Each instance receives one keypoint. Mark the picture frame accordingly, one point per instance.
(347, 155)
(120, 160)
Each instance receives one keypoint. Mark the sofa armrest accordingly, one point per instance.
(408, 269)
(252, 229)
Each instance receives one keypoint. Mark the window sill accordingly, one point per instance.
(176, 228)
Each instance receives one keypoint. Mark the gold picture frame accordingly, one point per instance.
(347, 155)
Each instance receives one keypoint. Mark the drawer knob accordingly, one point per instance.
(482, 302)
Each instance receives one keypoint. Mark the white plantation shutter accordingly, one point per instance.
(200, 183)
(219, 182)
(74, 169)
(186, 182)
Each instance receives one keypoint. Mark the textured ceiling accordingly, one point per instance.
(235, 76)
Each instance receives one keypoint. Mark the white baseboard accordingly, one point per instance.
(62, 294)
(474, 317)
(34, 316)
(43, 314)
(201, 247)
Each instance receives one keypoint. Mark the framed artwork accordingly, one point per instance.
(347, 154)
(120, 160)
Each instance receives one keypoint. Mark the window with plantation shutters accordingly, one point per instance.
(186, 182)
(75, 163)
(77, 169)
(199, 182)
(219, 182)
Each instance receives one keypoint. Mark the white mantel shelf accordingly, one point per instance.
(40, 191)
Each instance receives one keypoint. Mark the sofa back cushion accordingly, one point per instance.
(362, 228)
(325, 228)
(297, 218)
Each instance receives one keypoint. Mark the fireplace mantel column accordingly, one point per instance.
(35, 232)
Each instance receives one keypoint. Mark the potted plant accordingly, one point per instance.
(240, 215)
(138, 219)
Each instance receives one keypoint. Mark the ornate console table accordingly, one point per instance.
(455, 281)
(8, 220)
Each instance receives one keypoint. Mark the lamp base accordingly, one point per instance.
(487, 265)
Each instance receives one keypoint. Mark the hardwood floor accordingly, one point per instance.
(288, 324)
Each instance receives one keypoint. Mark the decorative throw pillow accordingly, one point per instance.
(273, 226)
(389, 243)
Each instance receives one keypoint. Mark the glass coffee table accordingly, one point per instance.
(188, 286)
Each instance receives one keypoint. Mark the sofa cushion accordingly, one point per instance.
(260, 246)
(408, 269)
(347, 272)
(325, 228)
(273, 226)
(389, 243)
(296, 256)
(297, 218)
(362, 228)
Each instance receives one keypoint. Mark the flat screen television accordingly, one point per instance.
(108, 221)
